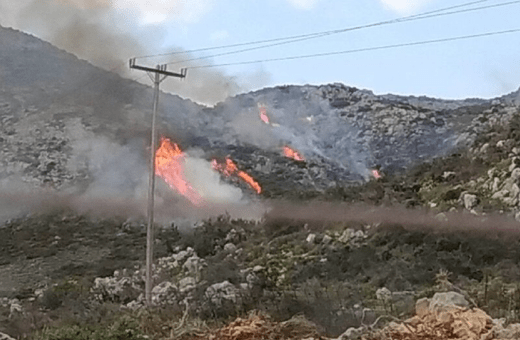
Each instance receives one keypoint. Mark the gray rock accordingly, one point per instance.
(326, 239)
(4, 336)
(311, 238)
(194, 265)
(470, 201)
(164, 293)
(517, 216)
(230, 248)
(352, 333)
(184, 254)
(219, 292)
(258, 268)
(422, 307)
(496, 185)
(384, 294)
(515, 190)
(448, 175)
(187, 284)
(511, 332)
(445, 301)
(347, 235)
(515, 174)
(500, 195)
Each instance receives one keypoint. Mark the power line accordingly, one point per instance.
(297, 37)
(362, 49)
(426, 15)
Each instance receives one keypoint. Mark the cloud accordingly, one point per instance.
(405, 7)
(153, 12)
(303, 4)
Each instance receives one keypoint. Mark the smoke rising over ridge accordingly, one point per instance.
(109, 32)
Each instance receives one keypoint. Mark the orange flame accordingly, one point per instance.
(376, 174)
(263, 114)
(230, 168)
(169, 166)
(291, 153)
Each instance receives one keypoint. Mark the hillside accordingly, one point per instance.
(58, 111)
(336, 250)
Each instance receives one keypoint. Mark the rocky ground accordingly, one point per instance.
(428, 251)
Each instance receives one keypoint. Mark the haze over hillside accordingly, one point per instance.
(68, 124)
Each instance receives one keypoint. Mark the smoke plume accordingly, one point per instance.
(109, 32)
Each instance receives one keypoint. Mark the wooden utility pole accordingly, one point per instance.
(157, 75)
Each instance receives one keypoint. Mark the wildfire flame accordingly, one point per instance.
(376, 174)
(230, 168)
(291, 153)
(169, 165)
(263, 114)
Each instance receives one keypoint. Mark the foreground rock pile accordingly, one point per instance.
(257, 326)
(446, 316)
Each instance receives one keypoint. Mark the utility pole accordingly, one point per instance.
(157, 75)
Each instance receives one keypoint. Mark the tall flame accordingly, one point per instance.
(169, 165)
(230, 168)
(263, 114)
(291, 153)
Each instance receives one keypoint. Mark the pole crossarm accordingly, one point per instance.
(161, 69)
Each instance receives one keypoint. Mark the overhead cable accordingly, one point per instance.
(310, 35)
(322, 34)
(424, 42)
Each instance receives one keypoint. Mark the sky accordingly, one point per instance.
(483, 67)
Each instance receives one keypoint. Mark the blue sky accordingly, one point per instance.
(483, 67)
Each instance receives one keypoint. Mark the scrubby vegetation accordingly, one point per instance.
(335, 275)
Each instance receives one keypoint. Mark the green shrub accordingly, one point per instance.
(125, 328)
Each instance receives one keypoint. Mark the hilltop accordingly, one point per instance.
(337, 251)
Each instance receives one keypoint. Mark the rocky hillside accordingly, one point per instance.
(302, 271)
(61, 117)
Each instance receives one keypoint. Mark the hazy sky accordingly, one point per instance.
(482, 67)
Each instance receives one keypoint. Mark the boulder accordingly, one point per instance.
(164, 293)
(515, 174)
(441, 302)
(422, 307)
(230, 248)
(4, 336)
(511, 332)
(194, 265)
(326, 239)
(187, 284)
(219, 292)
(470, 201)
(311, 238)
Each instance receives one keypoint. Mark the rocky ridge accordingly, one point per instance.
(50, 134)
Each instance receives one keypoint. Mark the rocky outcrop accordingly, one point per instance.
(56, 132)
(445, 316)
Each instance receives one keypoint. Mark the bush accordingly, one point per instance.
(124, 328)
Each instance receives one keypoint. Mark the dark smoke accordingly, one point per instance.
(95, 31)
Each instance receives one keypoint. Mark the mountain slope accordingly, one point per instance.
(66, 122)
